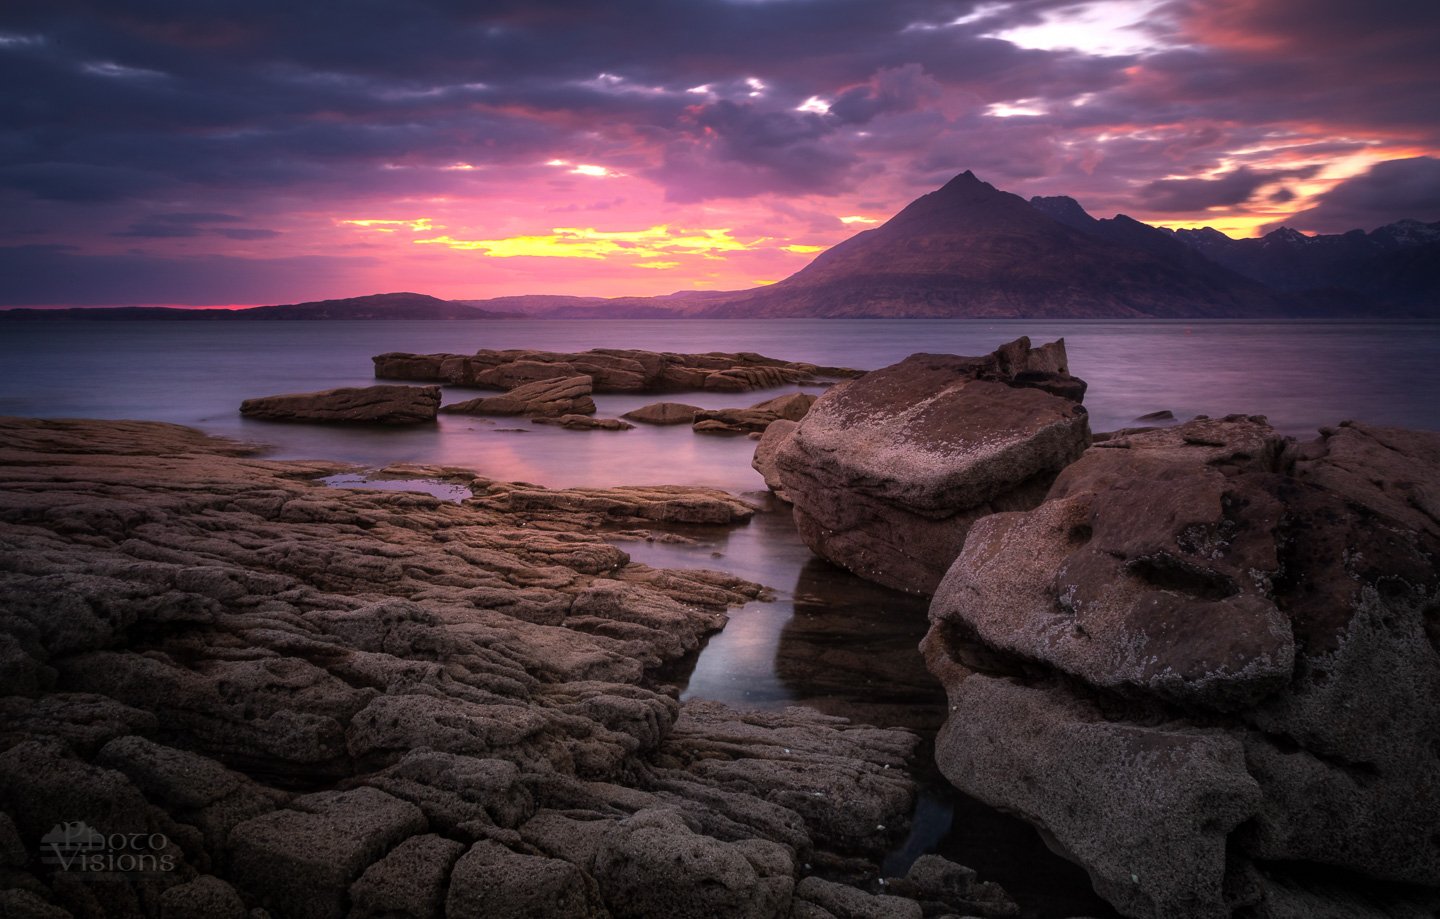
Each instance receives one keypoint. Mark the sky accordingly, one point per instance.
(209, 152)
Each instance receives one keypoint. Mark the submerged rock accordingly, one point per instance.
(613, 369)
(585, 423)
(888, 472)
(362, 405)
(1206, 667)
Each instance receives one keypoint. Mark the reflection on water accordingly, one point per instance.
(1301, 374)
(445, 491)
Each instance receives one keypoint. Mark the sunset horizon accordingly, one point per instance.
(181, 158)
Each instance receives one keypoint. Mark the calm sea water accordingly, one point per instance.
(828, 640)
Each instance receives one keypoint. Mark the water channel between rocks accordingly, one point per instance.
(846, 647)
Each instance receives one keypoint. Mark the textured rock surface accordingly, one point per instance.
(613, 370)
(758, 417)
(550, 397)
(1206, 667)
(359, 405)
(340, 702)
(888, 472)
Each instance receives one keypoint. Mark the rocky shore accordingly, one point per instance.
(297, 700)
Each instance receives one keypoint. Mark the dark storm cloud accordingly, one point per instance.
(53, 275)
(216, 104)
(231, 95)
(1234, 187)
(1389, 191)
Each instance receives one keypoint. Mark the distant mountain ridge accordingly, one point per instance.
(970, 250)
(402, 305)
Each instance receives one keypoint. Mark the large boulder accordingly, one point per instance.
(1206, 667)
(542, 398)
(888, 472)
(352, 405)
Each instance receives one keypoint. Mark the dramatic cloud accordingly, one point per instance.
(1410, 187)
(167, 132)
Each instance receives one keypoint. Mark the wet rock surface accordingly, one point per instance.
(612, 369)
(1206, 667)
(888, 472)
(325, 701)
(356, 405)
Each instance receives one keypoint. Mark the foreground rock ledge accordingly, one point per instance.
(336, 702)
(1207, 667)
(887, 472)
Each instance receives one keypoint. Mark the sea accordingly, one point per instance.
(828, 640)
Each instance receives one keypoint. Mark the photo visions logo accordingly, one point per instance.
(76, 846)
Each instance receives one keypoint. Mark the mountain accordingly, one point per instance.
(1395, 268)
(969, 250)
(374, 306)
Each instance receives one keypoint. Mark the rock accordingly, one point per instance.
(1209, 652)
(664, 413)
(206, 897)
(942, 885)
(1148, 582)
(767, 455)
(544, 398)
(888, 472)
(844, 902)
(1164, 415)
(652, 866)
(613, 370)
(585, 423)
(410, 881)
(491, 882)
(316, 694)
(364, 405)
(756, 418)
(301, 861)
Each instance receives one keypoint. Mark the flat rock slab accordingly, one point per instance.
(887, 472)
(612, 369)
(664, 413)
(554, 396)
(585, 423)
(355, 405)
